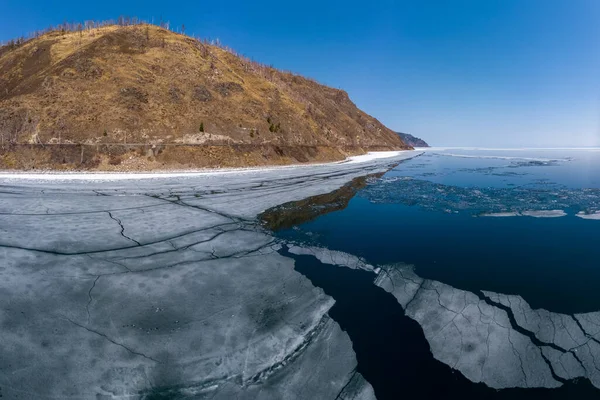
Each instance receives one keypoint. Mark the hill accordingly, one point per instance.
(144, 97)
(411, 140)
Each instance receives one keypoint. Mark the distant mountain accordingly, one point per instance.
(412, 140)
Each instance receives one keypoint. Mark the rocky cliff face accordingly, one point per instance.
(412, 141)
(145, 85)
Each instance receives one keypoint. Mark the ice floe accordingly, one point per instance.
(500, 214)
(467, 333)
(498, 339)
(528, 213)
(492, 338)
(540, 202)
(332, 257)
(544, 213)
(593, 215)
(374, 155)
(533, 160)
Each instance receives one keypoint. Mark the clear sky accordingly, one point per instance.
(457, 73)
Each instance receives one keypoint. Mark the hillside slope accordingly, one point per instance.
(105, 97)
(411, 140)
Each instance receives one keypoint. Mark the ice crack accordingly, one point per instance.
(118, 221)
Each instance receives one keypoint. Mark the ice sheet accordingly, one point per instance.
(166, 287)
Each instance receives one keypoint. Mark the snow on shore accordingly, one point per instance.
(373, 155)
(111, 176)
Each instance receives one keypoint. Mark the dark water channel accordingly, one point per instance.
(392, 352)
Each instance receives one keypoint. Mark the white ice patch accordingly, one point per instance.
(544, 213)
(498, 157)
(373, 155)
(474, 334)
(592, 216)
(118, 176)
(332, 257)
(500, 214)
(530, 213)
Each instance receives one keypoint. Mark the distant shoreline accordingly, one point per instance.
(439, 148)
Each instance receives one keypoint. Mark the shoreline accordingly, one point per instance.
(129, 175)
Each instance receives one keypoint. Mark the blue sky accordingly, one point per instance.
(491, 73)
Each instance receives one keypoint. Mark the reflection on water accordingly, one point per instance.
(294, 213)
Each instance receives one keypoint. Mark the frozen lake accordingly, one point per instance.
(421, 274)
(166, 287)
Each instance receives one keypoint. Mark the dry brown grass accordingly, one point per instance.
(146, 84)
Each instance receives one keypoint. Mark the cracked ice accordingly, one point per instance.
(498, 339)
(166, 287)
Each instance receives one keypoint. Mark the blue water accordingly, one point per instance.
(506, 168)
(428, 212)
